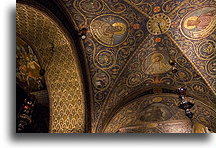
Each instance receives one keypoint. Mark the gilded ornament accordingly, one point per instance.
(158, 24)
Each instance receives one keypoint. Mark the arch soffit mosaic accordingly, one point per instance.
(144, 112)
(63, 75)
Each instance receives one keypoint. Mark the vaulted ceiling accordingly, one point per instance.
(129, 45)
(122, 63)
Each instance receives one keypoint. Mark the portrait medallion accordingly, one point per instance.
(100, 80)
(105, 59)
(156, 112)
(183, 75)
(156, 63)
(206, 49)
(90, 6)
(109, 30)
(211, 67)
(134, 79)
(199, 23)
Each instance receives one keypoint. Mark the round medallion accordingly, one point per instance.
(183, 75)
(199, 23)
(134, 79)
(211, 67)
(89, 46)
(206, 49)
(104, 59)
(156, 63)
(109, 30)
(100, 80)
(90, 6)
(99, 96)
(199, 88)
(124, 52)
(182, 61)
(158, 24)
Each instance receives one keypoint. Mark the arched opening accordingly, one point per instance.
(159, 113)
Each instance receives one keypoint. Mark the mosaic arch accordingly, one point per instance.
(63, 76)
(158, 114)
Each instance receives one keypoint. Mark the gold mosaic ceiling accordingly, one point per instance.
(129, 44)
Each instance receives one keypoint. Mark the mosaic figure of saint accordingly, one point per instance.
(201, 25)
(153, 114)
(33, 69)
(200, 22)
(156, 112)
(101, 80)
(157, 65)
(28, 68)
(108, 33)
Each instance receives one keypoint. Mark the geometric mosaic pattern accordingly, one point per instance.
(63, 78)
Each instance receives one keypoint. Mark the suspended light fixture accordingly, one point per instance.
(185, 105)
(25, 113)
(174, 66)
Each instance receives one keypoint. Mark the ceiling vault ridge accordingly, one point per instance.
(178, 7)
(117, 78)
(110, 8)
(135, 7)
